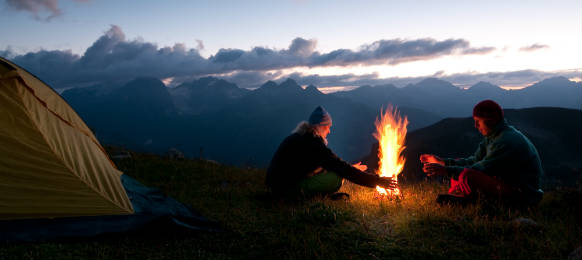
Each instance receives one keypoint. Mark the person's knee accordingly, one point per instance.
(467, 173)
(472, 177)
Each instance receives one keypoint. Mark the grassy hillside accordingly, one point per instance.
(364, 227)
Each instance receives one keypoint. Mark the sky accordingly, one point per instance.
(331, 44)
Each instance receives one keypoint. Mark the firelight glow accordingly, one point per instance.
(391, 133)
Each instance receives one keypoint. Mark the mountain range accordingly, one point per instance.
(215, 119)
(446, 100)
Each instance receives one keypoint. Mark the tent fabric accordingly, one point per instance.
(51, 164)
(151, 207)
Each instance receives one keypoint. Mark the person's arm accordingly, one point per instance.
(477, 156)
(499, 155)
(331, 162)
(454, 166)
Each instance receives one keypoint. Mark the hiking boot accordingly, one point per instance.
(452, 199)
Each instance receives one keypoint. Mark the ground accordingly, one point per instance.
(364, 227)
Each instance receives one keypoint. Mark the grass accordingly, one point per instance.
(364, 227)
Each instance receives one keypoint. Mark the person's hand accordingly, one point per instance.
(434, 169)
(360, 166)
(386, 183)
(430, 158)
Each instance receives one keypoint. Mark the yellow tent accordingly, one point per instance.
(51, 164)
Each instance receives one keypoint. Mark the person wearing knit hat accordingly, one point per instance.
(506, 166)
(303, 166)
(488, 109)
(489, 114)
(319, 116)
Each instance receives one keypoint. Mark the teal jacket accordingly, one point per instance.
(505, 154)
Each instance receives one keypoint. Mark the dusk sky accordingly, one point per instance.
(326, 43)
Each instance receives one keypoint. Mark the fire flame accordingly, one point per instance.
(390, 132)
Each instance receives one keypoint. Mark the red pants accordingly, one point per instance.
(471, 181)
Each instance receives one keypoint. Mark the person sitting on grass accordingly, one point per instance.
(506, 166)
(303, 166)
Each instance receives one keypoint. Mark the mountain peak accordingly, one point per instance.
(559, 80)
(555, 83)
(289, 81)
(209, 81)
(433, 85)
(312, 90)
(434, 82)
(268, 85)
(143, 83)
(484, 85)
(287, 86)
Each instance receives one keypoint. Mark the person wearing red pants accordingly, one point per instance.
(506, 166)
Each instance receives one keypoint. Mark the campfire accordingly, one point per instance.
(390, 132)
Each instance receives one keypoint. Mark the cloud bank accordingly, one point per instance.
(396, 51)
(38, 7)
(113, 58)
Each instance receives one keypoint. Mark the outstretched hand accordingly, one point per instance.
(360, 166)
(432, 169)
(386, 183)
(431, 158)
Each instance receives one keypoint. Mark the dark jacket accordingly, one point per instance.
(303, 154)
(505, 154)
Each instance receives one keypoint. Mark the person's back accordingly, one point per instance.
(294, 159)
(522, 167)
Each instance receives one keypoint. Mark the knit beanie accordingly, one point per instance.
(489, 110)
(320, 117)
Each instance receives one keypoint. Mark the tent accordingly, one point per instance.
(55, 176)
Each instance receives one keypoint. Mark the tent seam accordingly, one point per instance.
(55, 113)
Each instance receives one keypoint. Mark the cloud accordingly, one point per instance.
(302, 52)
(302, 47)
(227, 55)
(534, 47)
(112, 57)
(335, 80)
(36, 7)
(8, 53)
(397, 51)
(199, 45)
(438, 73)
(480, 51)
(251, 79)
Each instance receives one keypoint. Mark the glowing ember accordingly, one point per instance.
(390, 132)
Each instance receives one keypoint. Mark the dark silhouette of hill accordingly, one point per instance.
(136, 114)
(556, 133)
